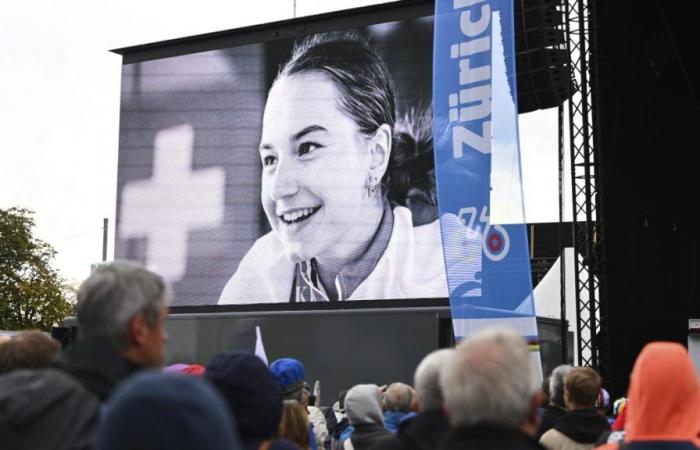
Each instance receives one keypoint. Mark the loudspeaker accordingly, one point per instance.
(543, 64)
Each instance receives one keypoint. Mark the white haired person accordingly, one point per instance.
(347, 188)
(556, 406)
(490, 394)
(428, 428)
(397, 400)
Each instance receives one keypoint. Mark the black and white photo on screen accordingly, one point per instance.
(289, 171)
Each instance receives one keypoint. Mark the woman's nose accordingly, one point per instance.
(284, 182)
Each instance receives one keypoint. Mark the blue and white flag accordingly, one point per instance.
(477, 165)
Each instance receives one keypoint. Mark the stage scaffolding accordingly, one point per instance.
(586, 180)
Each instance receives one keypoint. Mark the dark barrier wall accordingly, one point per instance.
(340, 348)
(648, 79)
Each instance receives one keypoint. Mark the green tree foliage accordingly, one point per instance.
(31, 291)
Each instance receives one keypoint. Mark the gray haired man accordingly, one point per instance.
(121, 315)
(490, 393)
(556, 406)
(427, 429)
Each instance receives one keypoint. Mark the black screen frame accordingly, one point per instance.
(285, 29)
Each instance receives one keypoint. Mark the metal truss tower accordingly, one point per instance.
(591, 320)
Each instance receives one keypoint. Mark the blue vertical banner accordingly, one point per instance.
(477, 166)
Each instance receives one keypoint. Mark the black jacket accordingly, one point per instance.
(424, 432)
(96, 365)
(550, 415)
(488, 437)
(582, 425)
(365, 435)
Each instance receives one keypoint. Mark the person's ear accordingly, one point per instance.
(138, 330)
(567, 398)
(532, 421)
(380, 150)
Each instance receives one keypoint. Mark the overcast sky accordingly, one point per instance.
(59, 108)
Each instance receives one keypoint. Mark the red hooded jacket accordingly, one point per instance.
(664, 397)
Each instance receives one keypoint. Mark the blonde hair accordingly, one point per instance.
(294, 425)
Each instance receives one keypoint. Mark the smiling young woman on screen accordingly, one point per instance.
(338, 174)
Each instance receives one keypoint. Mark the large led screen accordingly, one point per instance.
(291, 170)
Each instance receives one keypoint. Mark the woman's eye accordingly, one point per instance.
(269, 160)
(307, 147)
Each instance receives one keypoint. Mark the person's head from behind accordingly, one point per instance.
(289, 373)
(602, 403)
(253, 394)
(397, 397)
(126, 305)
(341, 402)
(309, 398)
(544, 391)
(663, 395)
(329, 147)
(294, 425)
(490, 380)
(159, 411)
(581, 388)
(556, 385)
(427, 379)
(363, 405)
(28, 350)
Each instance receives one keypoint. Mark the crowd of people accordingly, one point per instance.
(109, 391)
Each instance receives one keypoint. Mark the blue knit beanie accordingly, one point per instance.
(157, 411)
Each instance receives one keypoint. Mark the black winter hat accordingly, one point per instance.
(251, 391)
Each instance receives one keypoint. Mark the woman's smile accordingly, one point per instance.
(297, 215)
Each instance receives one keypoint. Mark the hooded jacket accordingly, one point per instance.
(364, 410)
(45, 408)
(664, 400)
(576, 430)
(392, 419)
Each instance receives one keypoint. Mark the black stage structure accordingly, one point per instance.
(632, 130)
(646, 121)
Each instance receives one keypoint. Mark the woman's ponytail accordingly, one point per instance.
(410, 177)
